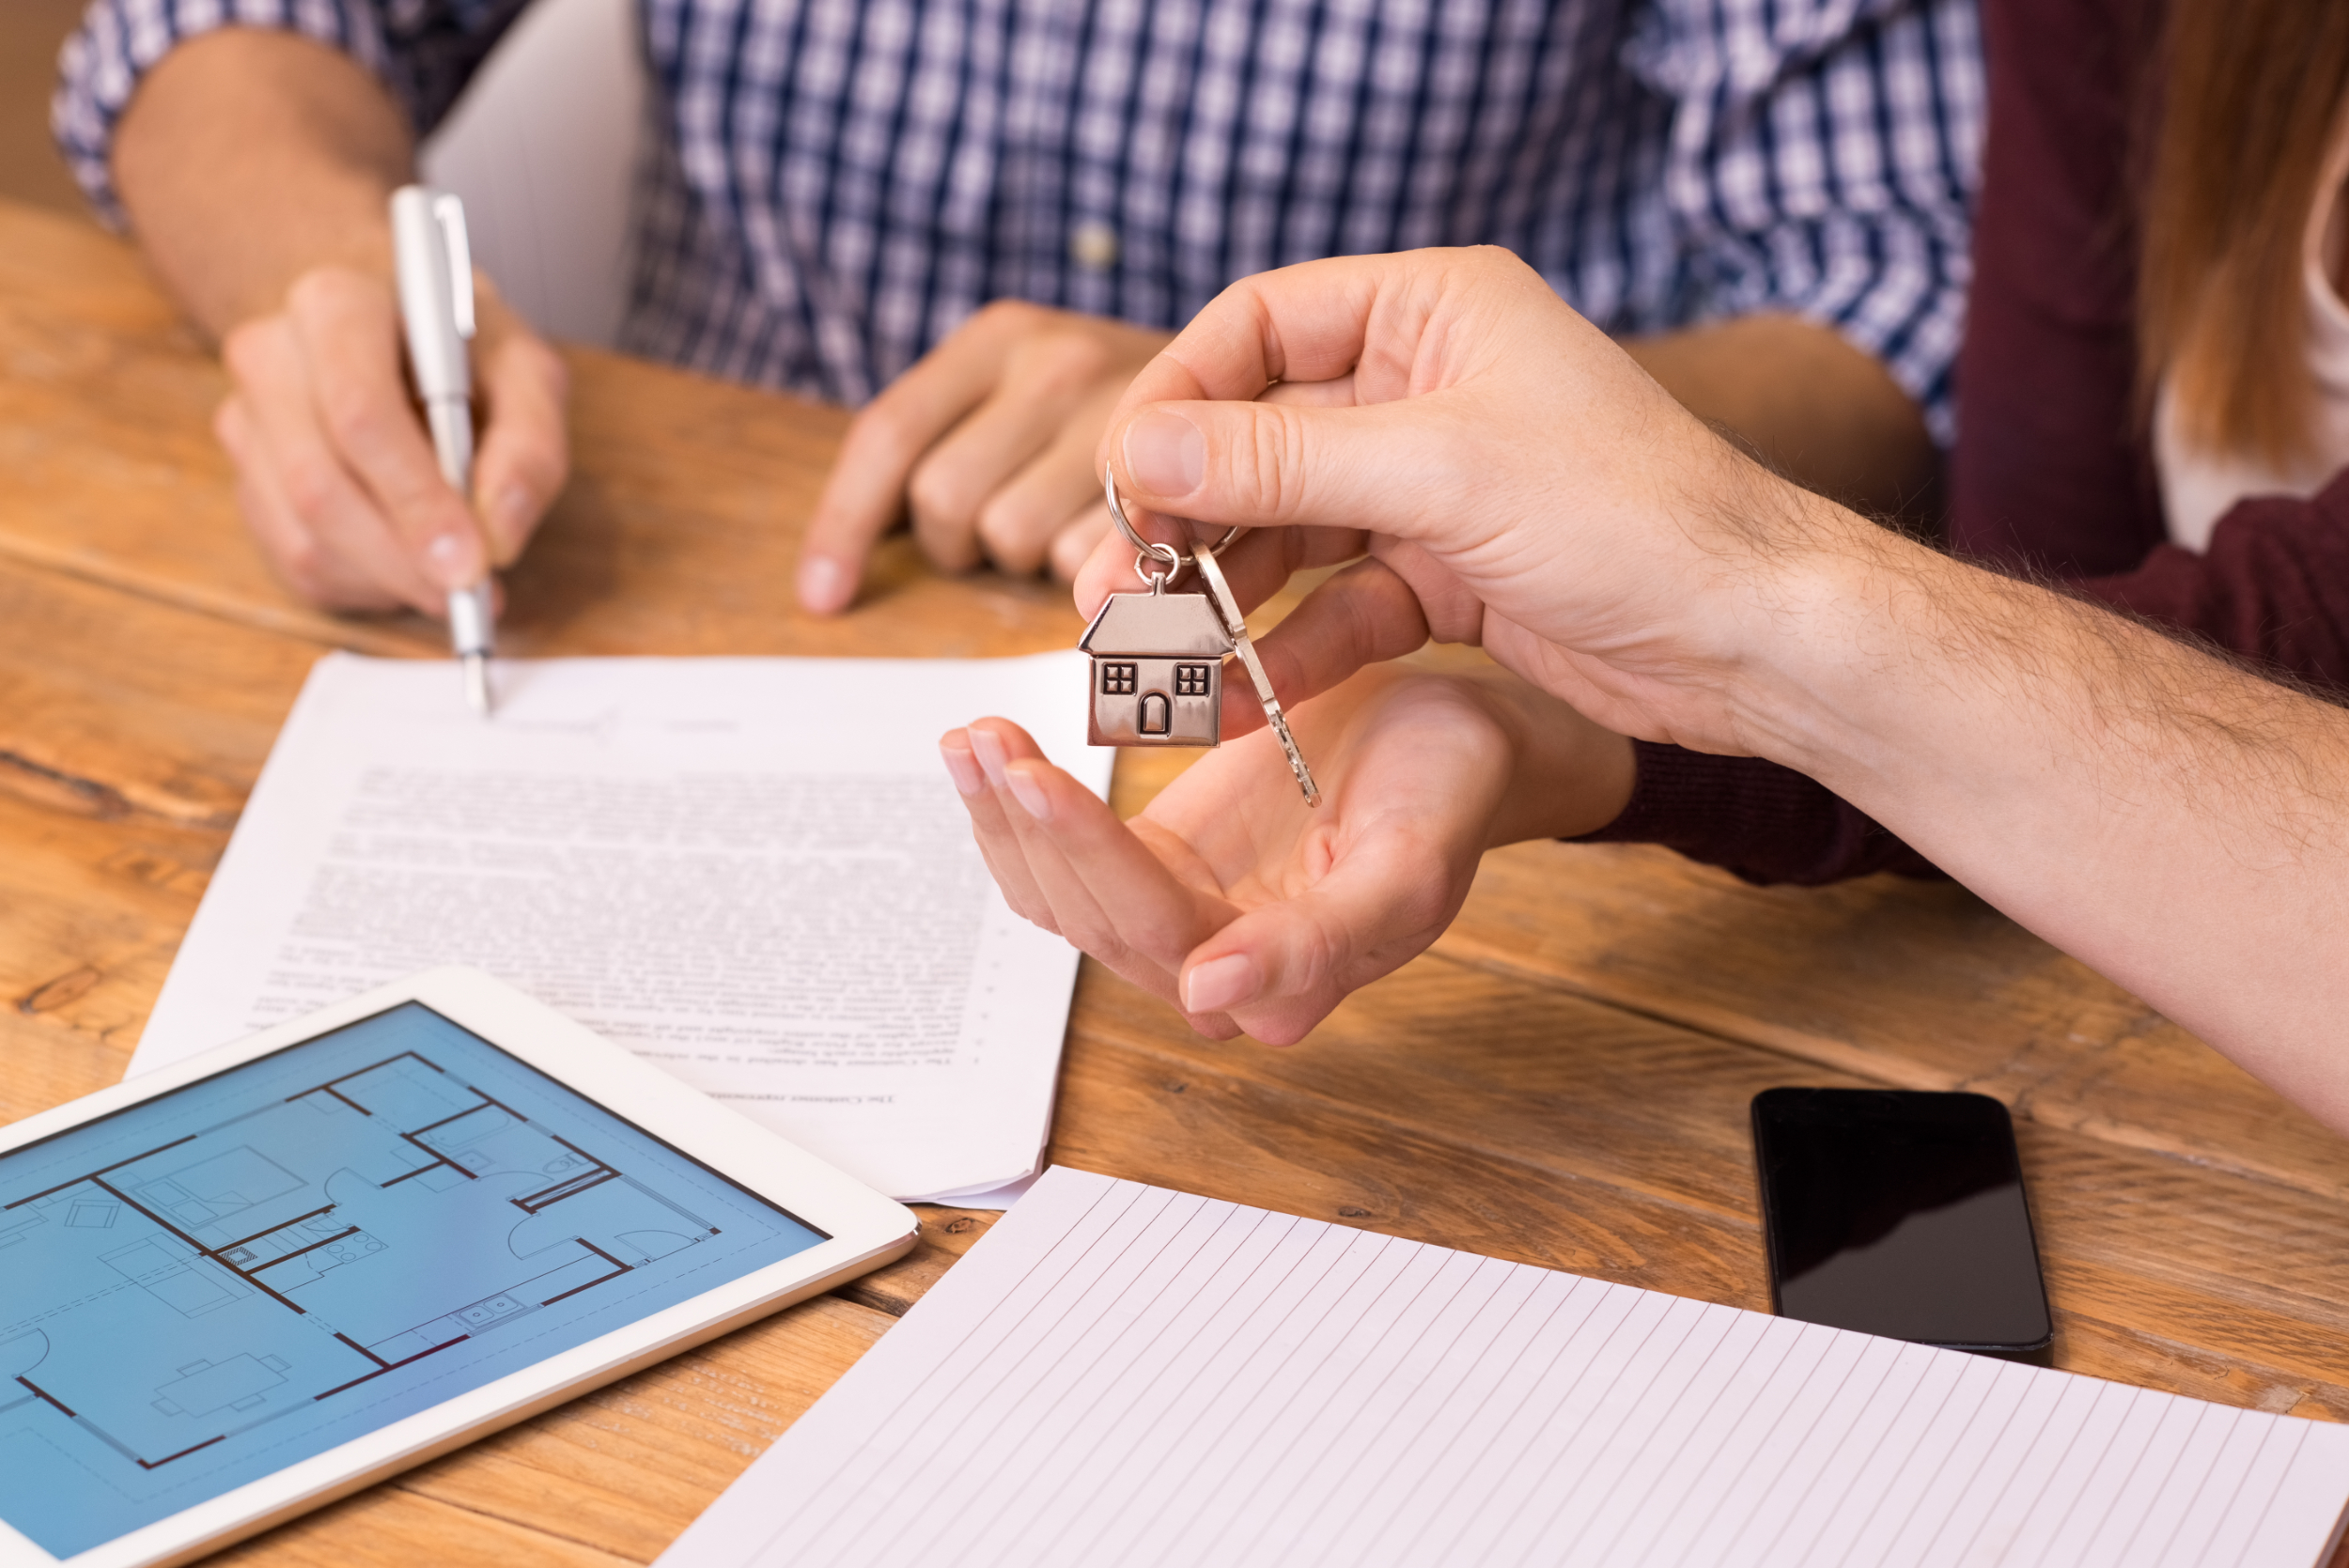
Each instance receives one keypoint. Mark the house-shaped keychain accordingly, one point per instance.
(1157, 670)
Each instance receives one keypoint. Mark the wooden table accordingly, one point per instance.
(1563, 1080)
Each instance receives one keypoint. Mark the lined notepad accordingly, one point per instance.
(1123, 1374)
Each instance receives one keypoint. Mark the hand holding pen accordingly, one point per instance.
(336, 474)
(436, 307)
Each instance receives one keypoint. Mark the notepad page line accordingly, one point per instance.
(2275, 1436)
(1592, 1438)
(2094, 1396)
(1785, 1346)
(1383, 1417)
(2197, 1520)
(1041, 1329)
(1567, 1294)
(978, 1483)
(1469, 1273)
(1755, 1493)
(1891, 1364)
(1291, 1246)
(1918, 1371)
(1133, 1384)
(1070, 1435)
(2119, 1430)
(1693, 1421)
(1382, 1249)
(2206, 1508)
(1263, 1274)
(1385, 1250)
(1993, 1400)
(850, 1457)
(2202, 1419)
(1528, 1298)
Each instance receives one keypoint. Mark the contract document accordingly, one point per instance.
(1118, 1374)
(754, 872)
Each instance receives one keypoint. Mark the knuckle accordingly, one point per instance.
(885, 425)
(350, 414)
(328, 290)
(936, 497)
(1263, 468)
(250, 348)
(1062, 361)
(1011, 533)
(1094, 934)
(1007, 316)
(315, 296)
(228, 425)
(1074, 545)
(308, 485)
(551, 367)
(304, 565)
(535, 466)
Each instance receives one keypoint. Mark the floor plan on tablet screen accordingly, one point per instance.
(216, 1283)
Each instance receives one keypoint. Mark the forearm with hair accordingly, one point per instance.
(248, 157)
(2175, 822)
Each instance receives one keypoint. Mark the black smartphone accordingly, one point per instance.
(1900, 1213)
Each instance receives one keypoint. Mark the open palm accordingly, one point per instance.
(1249, 910)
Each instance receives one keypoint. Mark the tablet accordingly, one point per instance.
(251, 1283)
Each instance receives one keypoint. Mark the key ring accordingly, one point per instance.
(1149, 550)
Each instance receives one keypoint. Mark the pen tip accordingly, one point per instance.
(477, 683)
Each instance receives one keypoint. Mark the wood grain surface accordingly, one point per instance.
(1562, 1080)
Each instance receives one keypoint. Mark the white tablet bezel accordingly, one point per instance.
(866, 1229)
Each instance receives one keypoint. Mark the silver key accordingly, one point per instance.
(1221, 591)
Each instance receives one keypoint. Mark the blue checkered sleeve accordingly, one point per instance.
(1823, 161)
(422, 50)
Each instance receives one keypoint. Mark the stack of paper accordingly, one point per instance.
(1123, 1374)
(751, 871)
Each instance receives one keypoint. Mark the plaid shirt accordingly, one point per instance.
(840, 182)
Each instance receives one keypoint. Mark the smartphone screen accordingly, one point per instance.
(1899, 1213)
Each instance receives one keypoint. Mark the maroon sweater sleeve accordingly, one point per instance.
(2051, 474)
(2273, 588)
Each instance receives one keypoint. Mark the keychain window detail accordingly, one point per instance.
(1191, 680)
(1117, 680)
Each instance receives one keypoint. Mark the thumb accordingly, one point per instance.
(1282, 465)
(1277, 970)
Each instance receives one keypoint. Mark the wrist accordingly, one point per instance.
(1829, 634)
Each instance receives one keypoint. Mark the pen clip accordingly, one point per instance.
(449, 212)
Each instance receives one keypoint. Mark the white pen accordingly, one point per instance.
(435, 305)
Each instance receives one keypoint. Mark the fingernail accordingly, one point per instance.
(962, 768)
(1220, 984)
(824, 584)
(1165, 454)
(451, 558)
(1028, 790)
(990, 752)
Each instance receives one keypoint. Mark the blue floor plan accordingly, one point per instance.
(322, 1254)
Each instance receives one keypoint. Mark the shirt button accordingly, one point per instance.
(1093, 244)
